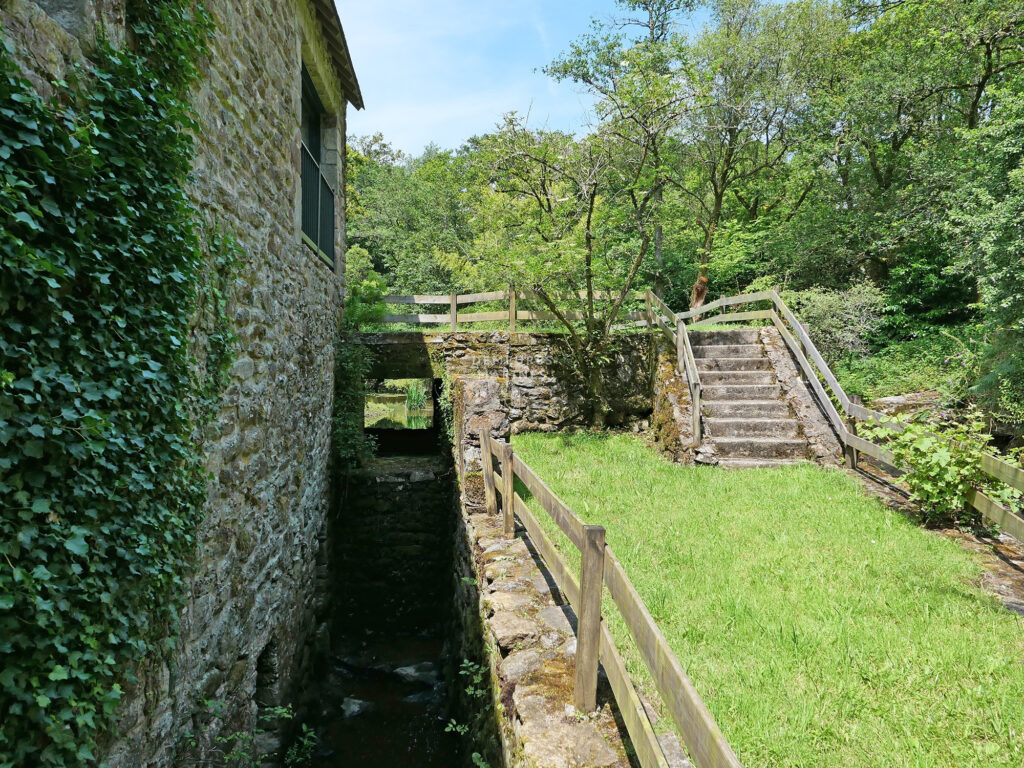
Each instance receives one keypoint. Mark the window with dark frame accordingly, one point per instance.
(317, 193)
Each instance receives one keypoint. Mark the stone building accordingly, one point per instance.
(269, 168)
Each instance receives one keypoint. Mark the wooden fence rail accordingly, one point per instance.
(685, 361)
(452, 317)
(595, 645)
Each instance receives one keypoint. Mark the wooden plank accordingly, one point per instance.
(664, 326)
(507, 491)
(812, 377)
(641, 734)
(992, 465)
(487, 463)
(735, 317)
(858, 411)
(588, 628)
(416, 299)
(661, 305)
(416, 319)
(453, 311)
(473, 298)
(1010, 522)
(511, 309)
(873, 450)
(1000, 470)
(682, 361)
(552, 558)
(726, 301)
(482, 317)
(701, 734)
(564, 517)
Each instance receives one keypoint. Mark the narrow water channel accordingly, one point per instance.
(388, 693)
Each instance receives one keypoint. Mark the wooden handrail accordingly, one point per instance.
(599, 567)
(685, 362)
(726, 301)
(455, 300)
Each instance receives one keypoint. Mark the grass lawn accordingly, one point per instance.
(821, 628)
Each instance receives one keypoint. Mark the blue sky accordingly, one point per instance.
(446, 70)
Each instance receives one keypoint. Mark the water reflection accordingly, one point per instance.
(384, 411)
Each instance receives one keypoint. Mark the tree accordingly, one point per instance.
(570, 219)
(640, 95)
(751, 75)
(410, 214)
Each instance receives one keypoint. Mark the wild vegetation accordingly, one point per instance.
(114, 348)
(849, 152)
(820, 627)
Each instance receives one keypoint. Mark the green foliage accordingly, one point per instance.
(944, 461)
(104, 263)
(937, 359)
(352, 362)
(840, 323)
(239, 748)
(409, 215)
(415, 394)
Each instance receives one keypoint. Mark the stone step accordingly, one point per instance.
(733, 364)
(760, 448)
(708, 378)
(732, 336)
(742, 392)
(746, 409)
(728, 350)
(758, 463)
(752, 427)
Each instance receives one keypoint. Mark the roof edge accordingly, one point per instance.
(338, 47)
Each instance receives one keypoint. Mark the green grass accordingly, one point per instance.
(821, 628)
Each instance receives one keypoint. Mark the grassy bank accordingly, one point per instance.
(821, 627)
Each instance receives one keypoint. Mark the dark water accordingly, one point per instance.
(373, 716)
(383, 698)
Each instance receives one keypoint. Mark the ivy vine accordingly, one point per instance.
(113, 346)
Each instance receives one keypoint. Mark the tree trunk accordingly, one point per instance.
(659, 258)
(709, 235)
(599, 408)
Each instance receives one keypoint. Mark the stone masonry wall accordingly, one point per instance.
(518, 380)
(253, 603)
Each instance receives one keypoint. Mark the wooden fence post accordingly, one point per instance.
(455, 311)
(511, 307)
(588, 635)
(680, 349)
(487, 463)
(508, 485)
(851, 424)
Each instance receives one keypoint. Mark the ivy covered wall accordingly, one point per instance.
(165, 383)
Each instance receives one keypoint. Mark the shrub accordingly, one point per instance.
(352, 361)
(415, 395)
(936, 359)
(943, 460)
(841, 323)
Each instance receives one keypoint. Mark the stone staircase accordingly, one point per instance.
(748, 420)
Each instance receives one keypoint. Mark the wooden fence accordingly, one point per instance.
(512, 314)
(820, 376)
(600, 568)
